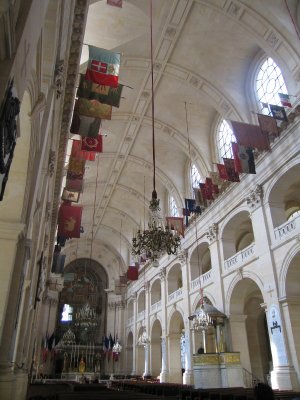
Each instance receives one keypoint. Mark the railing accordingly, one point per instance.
(240, 258)
(288, 229)
(205, 279)
(156, 306)
(175, 295)
(250, 380)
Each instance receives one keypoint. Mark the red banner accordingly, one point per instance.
(69, 221)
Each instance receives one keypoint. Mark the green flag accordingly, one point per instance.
(104, 94)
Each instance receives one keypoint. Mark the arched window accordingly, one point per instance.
(173, 207)
(269, 82)
(225, 138)
(195, 176)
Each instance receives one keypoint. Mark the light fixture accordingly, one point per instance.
(117, 348)
(201, 320)
(158, 238)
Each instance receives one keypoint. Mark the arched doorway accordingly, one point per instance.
(176, 327)
(129, 354)
(249, 329)
(156, 349)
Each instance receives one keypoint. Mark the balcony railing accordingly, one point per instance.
(156, 306)
(175, 295)
(239, 259)
(288, 229)
(205, 279)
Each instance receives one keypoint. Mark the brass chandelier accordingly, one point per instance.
(158, 238)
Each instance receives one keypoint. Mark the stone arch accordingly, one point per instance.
(175, 329)
(174, 278)
(155, 291)
(291, 254)
(200, 260)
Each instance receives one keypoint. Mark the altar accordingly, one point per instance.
(79, 377)
(220, 370)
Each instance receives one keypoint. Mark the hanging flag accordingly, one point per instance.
(76, 168)
(199, 199)
(90, 144)
(105, 94)
(110, 346)
(103, 67)
(176, 224)
(58, 263)
(132, 273)
(75, 185)
(69, 221)
(212, 187)
(84, 126)
(233, 176)
(268, 124)
(70, 195)
(76, 152)
(216, 180)
(285, 100)
(243, 159)
(250, 135)
(116, 3)
(93, 109)
(222, 172)
(278, 112)
(190, 205)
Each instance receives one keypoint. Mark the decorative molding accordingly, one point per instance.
(162, 273)
(212, 233)
(51, 162)
(182, 256)
(254, 198)
(59, 76)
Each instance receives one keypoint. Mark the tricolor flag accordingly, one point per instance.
(176, 223)
(105, 94)
(250, 135)
(69, 221)
(268, 124)
(278, 112)
(116, 3)
(91, 144)
(243, 159)
(84, 126)
(285, 100)
(103, 67)
(93, 109)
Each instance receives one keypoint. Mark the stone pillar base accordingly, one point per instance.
(163, 377)
(7, 384)
(188, 378)
(284, 378)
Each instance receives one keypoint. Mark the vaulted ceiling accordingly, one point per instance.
(203, 54)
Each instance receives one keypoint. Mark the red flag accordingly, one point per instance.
(91, 144)
(81, 154)
(268, 124)
(250, 135)
(243, 159)
(233, 176)
(132, 273)
(69, 221)
(83, 125)
(116, 3)
(103, 67)
(222, 172)
(176, 223)
(75, 185)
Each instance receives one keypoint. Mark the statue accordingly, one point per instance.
(82, 366)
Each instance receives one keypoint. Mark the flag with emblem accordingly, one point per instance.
(222, 172)
(243, 159)
(199, 198)
(103, 67)
(268, 124)
(232, 175)
(176, 224)
(250, 135)
(70, 195)
(214, 188)
(76, 168)
(278, 112)
(285, 100)
(105, 94)
(93, 109)
(77, 152)
(69, 221)
(90, 144)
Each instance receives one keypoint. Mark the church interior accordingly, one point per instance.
(150, 195)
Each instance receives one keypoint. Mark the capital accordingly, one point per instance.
(255, 197)
(212, 233)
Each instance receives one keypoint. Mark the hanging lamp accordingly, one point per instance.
(158, 238)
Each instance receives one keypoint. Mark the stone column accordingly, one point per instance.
(133, 372)
(10, 234)
(188, 376)
(239, 339)
(283, 374)
(164, 374)
(147, 371)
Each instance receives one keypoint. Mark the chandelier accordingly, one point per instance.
(158, 238)
(201, 320)
(86, 317)
(117, 348)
